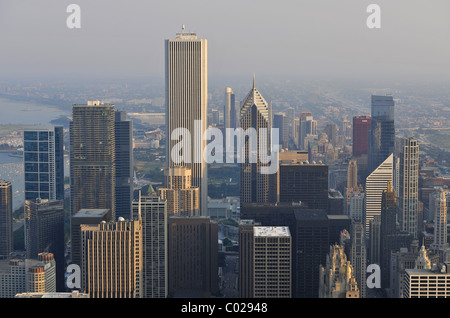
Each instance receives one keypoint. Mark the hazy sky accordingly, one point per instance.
(321, 38)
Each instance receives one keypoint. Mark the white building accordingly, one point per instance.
(272, 262)
(186, 103)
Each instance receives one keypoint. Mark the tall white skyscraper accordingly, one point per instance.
(409, 187)
(376, 182)
(186, 103)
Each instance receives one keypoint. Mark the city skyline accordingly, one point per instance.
(336, 201)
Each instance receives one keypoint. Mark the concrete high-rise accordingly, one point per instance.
(20, 275)
(382, 130)
(376, 183)
(152, 211)
(409, 187)
(255, 185)
(112, 259)
(6, 218)
(182, 198)
(44, 232)
(124, 164)
(186, 106)
(43, 159)
(272, 270)
(92, 157)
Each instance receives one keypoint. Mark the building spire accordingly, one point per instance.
(254, 80)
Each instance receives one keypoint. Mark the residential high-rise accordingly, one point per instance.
(6, 218)
(44, 232)
(43, 159)
(358, 256)
(409, 187)
(152, 211)
(186, 107)
(304, 182)
(382, 130)
(192, 256)
(124, 164)
(256, 186)
(19, 275)
(229, 112)
(272, 270)
(376, 183)
(92, 157)
(182, 198)
(361, 128)
(337, 278)
(112, 259)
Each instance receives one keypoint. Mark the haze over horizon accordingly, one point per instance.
(320, 39)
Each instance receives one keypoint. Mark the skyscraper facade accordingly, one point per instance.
(44, 232)
(382, 130)
(361, 128)
(124, 164)
(376, 183)
(43, 159)
(409, 187)
(6, 218)
(272, 270)
(192, 256)
(92, 157)
(186, 103)
(229, 112)
(152, 211)
(256, 186)
(307, 183)
(182, 198)
(112, 259)
(358, 256)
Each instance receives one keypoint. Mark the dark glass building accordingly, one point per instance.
(382, 130)
(307, 183)
(124, 164)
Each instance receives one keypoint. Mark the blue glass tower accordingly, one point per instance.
(44, 163)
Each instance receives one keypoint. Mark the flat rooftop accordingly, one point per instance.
(90, 213)
(271, 231)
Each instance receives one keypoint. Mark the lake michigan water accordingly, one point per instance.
(27, 113)
(22, 113)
